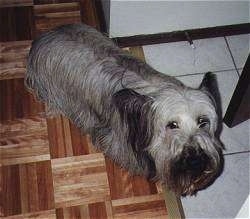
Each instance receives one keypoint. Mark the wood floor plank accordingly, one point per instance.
(22, 188)
(40, 2)
(24, 150)
(6, 100)
(50, 214)
(50, 16)
(15, 3)
(45, 185)
(56, 138)
(23, 141)
(97, 210)
(66, 140)
(24, 99)
(120, 182)
(10, 196)
(89, 13)
(16, 23)
(23, 127)
(123, 185)
(142, 186)
(81, 142)
(36, 186)
(80, 180)
(13, 56)
(148, 206)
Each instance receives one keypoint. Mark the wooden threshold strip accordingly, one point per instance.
(175, 36)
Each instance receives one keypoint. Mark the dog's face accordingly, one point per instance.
(176, 127)
(186, 152)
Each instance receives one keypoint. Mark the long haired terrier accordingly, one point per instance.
(148, 122)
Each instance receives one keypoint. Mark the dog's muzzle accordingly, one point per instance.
(191, 171)
(193, 161)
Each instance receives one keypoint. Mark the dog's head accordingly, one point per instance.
(176, 131)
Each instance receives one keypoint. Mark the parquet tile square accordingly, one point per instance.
(26, 188)
(50, 214)
(16, 102)
(48, 16)
(66, 140)
(147, 206)
(17, 23)
(24, 141)
(13, 57)
(80, 180)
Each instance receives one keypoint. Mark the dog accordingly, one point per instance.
(147, 122)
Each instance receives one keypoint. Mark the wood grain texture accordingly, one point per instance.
(50, 214)
(173, 204)
(16, 102)
(80, 180)
(16, 23)
(40, 2)
(10, 200)
(89, 211)
(128, 185)
(89, 13)
(23, 127)
(66, 140)
(49, 16)
(25, 149)
(13, 56)
(150, 206)
(26, 188)
(15, 3)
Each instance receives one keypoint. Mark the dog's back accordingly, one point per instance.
(65, 58)
(66, 46)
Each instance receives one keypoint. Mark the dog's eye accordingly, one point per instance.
(203, 122)
(172, 125)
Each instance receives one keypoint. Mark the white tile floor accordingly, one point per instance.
(225, 197)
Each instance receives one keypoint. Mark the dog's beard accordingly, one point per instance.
(176, 166)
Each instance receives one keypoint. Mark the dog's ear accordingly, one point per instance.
(209, 84)
(137, 115)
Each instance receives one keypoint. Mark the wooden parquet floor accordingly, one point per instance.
(48, 168)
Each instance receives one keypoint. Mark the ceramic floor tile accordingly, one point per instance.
(236, 139)
(225, 197)
(179, 58)
(240, 48)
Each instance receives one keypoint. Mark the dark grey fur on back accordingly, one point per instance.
(119, 100)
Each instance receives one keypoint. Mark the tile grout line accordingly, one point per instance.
(201, 73)
(240, 152)
(231, 54)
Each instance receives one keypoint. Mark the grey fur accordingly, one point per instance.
(125, 105)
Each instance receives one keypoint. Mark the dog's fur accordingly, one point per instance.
(144, 120)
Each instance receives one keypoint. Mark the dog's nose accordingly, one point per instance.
(195, 161)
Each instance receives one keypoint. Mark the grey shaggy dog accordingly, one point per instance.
(149, 123)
